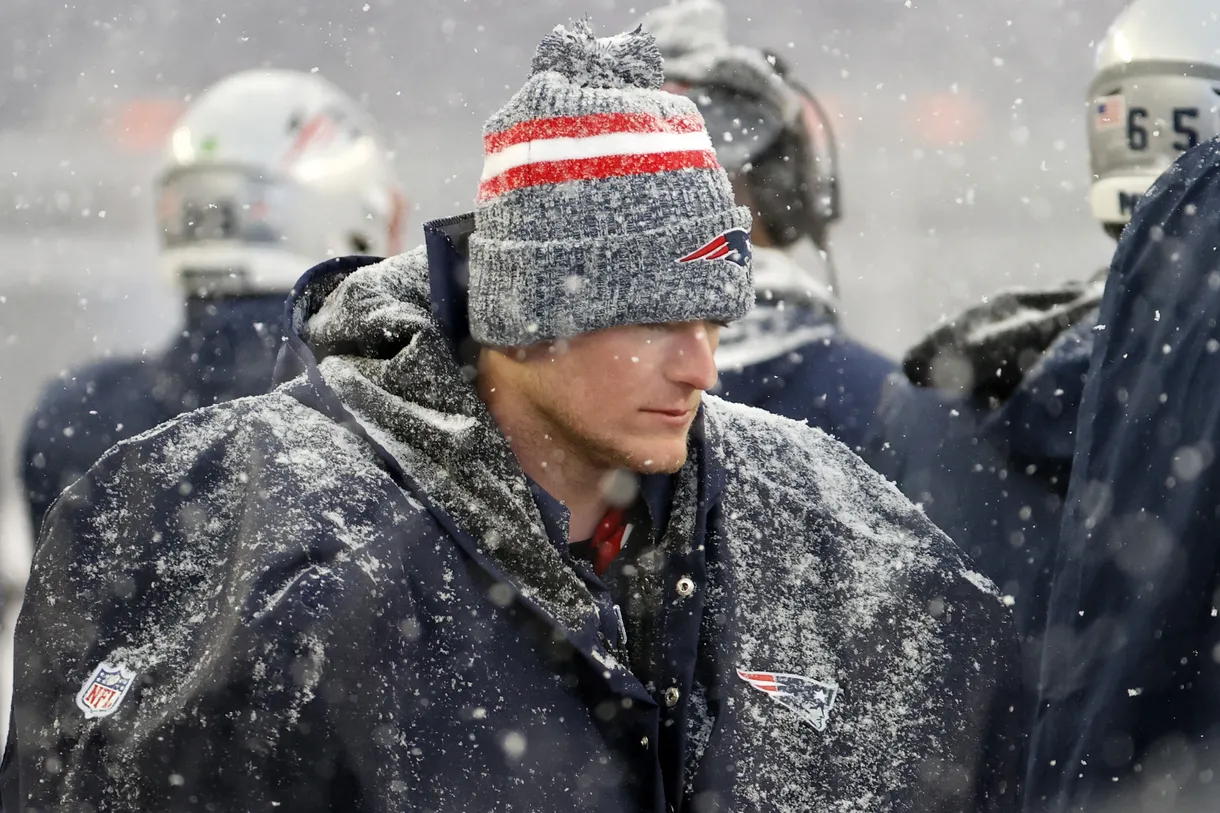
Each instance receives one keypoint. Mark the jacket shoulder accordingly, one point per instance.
(262, 492)
(244, 550)
(78, 416)
(839, 577)
(98, 394)
(271, 436)
(755, 443)
(807, 472)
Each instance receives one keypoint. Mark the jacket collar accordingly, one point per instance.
(656, 490)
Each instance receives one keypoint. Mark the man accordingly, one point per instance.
(554, 577)
(788, 355)
(985, 443)
(1129, 718)
(266, 172)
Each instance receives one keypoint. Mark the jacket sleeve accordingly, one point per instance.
(185, 557)
(986, 715)
(1131, 658)
(1001, 781)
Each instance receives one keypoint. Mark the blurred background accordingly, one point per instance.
(961, 127)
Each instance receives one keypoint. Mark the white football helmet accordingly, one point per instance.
(266, 174)
(1154, 95)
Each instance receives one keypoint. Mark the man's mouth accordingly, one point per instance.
(671, 416)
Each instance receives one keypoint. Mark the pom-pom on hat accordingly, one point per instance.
(601, 201)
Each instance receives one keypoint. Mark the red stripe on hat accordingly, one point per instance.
(591, 169)
(592, 125)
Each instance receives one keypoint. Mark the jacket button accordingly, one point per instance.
(686, 587)
(644, 741)
(671, 696)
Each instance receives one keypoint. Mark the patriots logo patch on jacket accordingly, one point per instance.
(733, 245)
(811, 699)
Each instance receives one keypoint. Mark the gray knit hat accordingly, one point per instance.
(602, 202)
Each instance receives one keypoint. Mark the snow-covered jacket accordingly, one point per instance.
(1131, 669)
(226, 350)
(340, 596)
(789, 356)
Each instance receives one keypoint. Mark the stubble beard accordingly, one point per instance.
(604, 454)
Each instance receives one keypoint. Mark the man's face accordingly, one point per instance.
(623, 397)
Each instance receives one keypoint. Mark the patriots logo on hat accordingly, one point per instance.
(733, 245)
(811, 699)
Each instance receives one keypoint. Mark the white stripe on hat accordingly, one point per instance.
(598, 146)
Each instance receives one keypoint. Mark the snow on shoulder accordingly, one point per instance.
(840, 579)
(181, 543)
(781, 450)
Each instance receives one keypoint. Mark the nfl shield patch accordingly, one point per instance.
(104, 690)
(811, 699)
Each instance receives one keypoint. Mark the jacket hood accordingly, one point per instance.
(367, 331)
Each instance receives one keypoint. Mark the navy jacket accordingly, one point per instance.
(789, 357)
(226, 350)
(341, 596)
(990, 462)
(1131, 682)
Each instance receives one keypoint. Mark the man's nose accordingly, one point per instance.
(693, 361)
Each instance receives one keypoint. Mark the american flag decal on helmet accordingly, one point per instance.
(811, 699)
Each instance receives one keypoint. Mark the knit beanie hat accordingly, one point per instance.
(601, 201)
